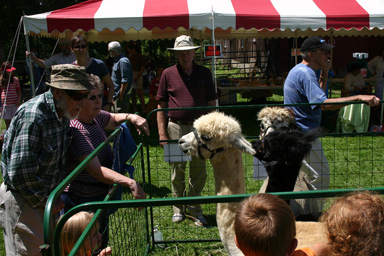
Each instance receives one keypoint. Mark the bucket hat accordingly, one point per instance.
(183, 43)
(70, 77)
(315, 42)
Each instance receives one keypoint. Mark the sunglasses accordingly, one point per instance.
(80, 46)
(77, 96)
(93, 97)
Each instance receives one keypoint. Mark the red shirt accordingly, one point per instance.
(180, 90)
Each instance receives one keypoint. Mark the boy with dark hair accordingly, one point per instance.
(265, 226)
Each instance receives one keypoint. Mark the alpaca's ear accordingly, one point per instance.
(243, 145)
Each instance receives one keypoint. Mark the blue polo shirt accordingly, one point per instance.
(302, 86)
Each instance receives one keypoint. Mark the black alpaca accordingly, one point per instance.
(282, 153)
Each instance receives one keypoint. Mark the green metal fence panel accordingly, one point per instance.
(355, 161)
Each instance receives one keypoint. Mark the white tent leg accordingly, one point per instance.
(30, 63)
(214, 54)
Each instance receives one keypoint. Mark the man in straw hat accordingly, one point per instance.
(185, 84)
(33, 157)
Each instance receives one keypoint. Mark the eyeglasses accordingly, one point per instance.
(93, 97)
(77, 47)
(323, 52)
(77, 96)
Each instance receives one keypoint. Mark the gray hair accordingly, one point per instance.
(114, 46)
(95, 81)
(305, 54)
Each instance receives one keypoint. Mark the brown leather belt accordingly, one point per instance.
(181, 122)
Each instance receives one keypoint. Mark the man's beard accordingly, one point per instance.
(63, 106)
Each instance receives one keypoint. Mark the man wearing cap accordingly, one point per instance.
(122, 76)
(185, 84)
(65, 56)
(33, 157)
(302, 86)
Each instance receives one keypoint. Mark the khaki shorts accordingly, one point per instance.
(22, 224)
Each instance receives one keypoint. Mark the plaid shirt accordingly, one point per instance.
(33, 160)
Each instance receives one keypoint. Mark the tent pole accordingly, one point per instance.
(295, 47)
(382, 108)
(32, 80)
(214, 54)
(330, 67)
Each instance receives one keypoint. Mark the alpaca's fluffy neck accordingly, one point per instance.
(229, 172)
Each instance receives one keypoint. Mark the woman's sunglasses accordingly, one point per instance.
(77, 96)
(93, 97)
(80, 46)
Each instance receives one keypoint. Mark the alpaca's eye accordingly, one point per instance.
(204, 137)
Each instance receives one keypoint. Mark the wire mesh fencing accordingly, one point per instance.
(139, 227)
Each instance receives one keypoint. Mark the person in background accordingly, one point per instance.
(265, 226)
(376, 69)
(10, 93)
(355, 226)
(354, 83)
(185, 84)
(325, 75)
(302, 86)
(74, 228)
(152, 102)
(121, 77)
(79, 47)
(138, 67)
(155, 83)
(65, 56)
(88, 133)
(38, 75)
(33, 158)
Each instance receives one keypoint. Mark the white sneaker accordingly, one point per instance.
(201, 221)
(177, 217)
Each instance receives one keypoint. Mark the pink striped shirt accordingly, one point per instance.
(11, 96)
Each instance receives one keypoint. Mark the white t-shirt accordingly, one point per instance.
(351, 81)
(59, 58)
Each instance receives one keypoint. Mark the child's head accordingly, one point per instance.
(355, 224)
(6, 70)
(265, 225)
(72, 231)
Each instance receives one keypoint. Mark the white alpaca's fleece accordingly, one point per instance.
(222, 131)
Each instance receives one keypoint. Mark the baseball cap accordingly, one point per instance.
(8, 68)
(70, 77)
(315, 42)
(183, 43)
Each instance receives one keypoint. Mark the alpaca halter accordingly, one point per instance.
(201, 144)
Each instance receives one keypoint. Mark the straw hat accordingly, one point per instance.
(183, 43)
(70, 77)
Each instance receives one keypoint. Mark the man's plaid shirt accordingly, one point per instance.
(34, 149)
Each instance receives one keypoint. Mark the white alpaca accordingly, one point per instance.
(224, 144)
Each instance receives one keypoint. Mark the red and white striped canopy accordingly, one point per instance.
(103, 20)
